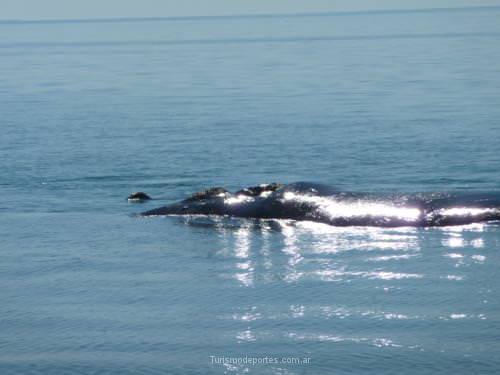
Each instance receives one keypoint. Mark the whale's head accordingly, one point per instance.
(210, 206)
(207, 202)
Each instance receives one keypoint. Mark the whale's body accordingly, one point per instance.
(322, 203)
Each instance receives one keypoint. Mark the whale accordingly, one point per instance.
(306, 201)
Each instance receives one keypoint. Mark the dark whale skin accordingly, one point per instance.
(325, 204)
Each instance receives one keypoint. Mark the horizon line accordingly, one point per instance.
(98, 44)
(256, 15)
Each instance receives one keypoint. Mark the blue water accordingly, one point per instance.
(388, 101)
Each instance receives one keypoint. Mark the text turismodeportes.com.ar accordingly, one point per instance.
(265, 360)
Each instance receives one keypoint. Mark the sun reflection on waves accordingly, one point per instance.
(247, 315)
(340, 275)
(272, 250)
(377, 342)
(477, 243)
(305, 242)
(330, 239)
(244, 267)
(385, 258)
(454, 242)
(455, 236)
(309, 283)
(292, 250)
(246, 336)
(265, 251)
(460, 240)
(475, 227)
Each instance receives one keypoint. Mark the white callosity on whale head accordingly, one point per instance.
(359, 208)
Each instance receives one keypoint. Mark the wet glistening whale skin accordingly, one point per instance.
(324, 204)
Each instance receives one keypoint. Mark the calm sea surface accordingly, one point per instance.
(391, 101)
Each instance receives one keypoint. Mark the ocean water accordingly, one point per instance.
(374, 101)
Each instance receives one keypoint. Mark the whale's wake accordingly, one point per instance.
(324, 204)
